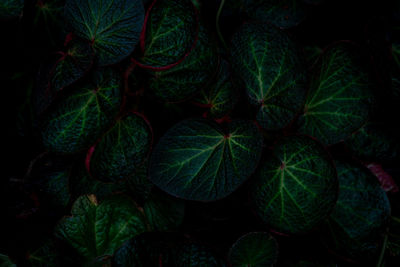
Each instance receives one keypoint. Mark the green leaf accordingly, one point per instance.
(254, 249)
(5, 261)
(45, 255)
(138, 183)
(196, 70)
(393, 244)
(195, 255)
(11, 8)
(112, 26)
(196, 160)
(267, 62)
(296, 187)
(72, 65)
(339, 98)
(122, 149)
(164, 213)
(81, 117)
(170, 33)
(281, 13)
(97, 230)
(222, 96)
(358, 221)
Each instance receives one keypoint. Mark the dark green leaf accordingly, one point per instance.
(196, 160)
(393, 244)
(357, 224)
(138, 183)
(81, 117)
(5, 261)
(96, 230)
(196, 70)
(296, 187)
(45, 255)
(11, 8)
(170, 33)
(112, 26)
(339, 98)
(122, 149)
(254, 249)
(195, 255)
(267, 62)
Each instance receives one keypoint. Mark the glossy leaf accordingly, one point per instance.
(98, 229)
(222, 96)
(112, 26)
(11, 8)
(296, 187)
(254, 249)
(122, 149)
(357, 223)
(170, 33)
(196, 160)
(339, 98)
(196, 70)
(267, 62)
(80, 118)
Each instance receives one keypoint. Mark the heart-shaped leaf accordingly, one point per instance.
(196, 160)
(339, 98)
(273, 74)
(196, 70)
(296, 187)
(11, 8)
(357, 224)
(80, 118)
(170, 33)
(112, 26)
(96, 230)
(122, 149)
(254, 249)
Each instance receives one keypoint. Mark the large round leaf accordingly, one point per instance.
(170, 33)
(196, 160)
(254, 249)
(113, 26)
(196, 70)
(122, 149)
(339, 98)
(357, 224)
(81, 117)
(96, 230)
(296, 187)
(267, 62)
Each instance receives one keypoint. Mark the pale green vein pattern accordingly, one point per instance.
(296, 187)
(339, 98)
(267, 61)
(196, 160)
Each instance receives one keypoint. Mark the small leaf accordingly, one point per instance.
(339, 98)
(296, 187)
(81, 117)
(254, 249)
(122, 149)
(196, 160)
(112, 26)
(11, 8)
(98, 229)
(267, 62)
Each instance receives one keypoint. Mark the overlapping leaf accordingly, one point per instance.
(99, 229)
(11, 8)
(77, 121)
(112, 26)
(357, 223)
(196, 70)
(171, 32)
(254, 249)
(296, 187)
(339, 98)
(196, 160)
(273, 74)
(122, 149)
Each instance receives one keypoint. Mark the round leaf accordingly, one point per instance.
(296, 187)
(81, 117)
(254, 249)
(196, 160)
(113, 26)
(122, 149)
(339, 98)
(267, 62)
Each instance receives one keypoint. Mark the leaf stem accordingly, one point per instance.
(217, 24)
(380, 261)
